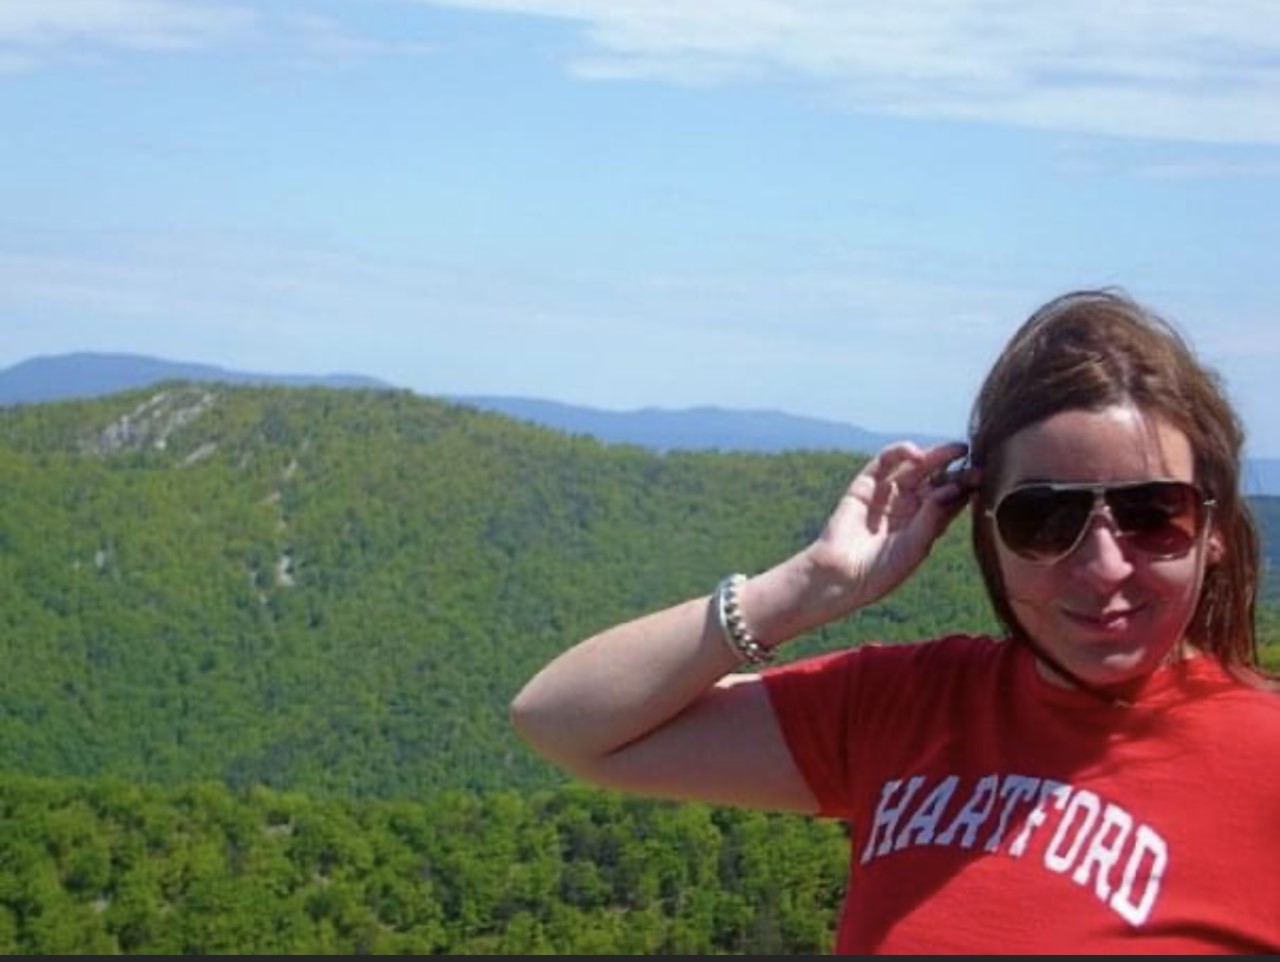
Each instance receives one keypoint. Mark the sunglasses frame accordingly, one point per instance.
(1100, 491)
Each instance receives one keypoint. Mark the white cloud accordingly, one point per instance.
(328, 41)
(1179, 69)
(1164, 69)
(139, 24)
(33, 31)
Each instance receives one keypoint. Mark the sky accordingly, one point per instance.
(832, 208)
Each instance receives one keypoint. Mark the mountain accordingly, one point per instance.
(696, 428)
(88, 375)
(339, 592)
(85, 375)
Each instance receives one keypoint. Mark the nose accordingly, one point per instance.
(1101, 552)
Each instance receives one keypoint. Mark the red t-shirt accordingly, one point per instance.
(992, 812)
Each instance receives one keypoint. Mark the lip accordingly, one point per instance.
(1112, 620)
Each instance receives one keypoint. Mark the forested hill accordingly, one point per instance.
(338, 592)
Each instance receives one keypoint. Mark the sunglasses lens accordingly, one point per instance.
(1041, 522)
(1160, 518)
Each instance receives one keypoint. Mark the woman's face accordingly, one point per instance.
(1107, 611)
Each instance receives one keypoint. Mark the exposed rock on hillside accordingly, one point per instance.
(151, 423)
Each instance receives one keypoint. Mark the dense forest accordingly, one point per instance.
(259, 646)
(339, 592)
(105, 867)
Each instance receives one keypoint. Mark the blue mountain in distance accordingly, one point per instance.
(66, 377)
(695, 428)
(86, 374)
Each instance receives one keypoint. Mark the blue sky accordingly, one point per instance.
(826, 207)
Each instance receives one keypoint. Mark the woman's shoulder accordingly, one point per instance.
(959, 648)
(954, 652)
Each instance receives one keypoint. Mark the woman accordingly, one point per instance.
(1096, 781)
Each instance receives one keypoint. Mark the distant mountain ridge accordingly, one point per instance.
(695, 428)
(83, 375)
(86, 374)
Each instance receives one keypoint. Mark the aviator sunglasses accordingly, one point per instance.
(1044, 522)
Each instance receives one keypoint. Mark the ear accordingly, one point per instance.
(1215, 547)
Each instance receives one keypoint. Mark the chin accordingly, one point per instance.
(1119, 665)
(1105, 653)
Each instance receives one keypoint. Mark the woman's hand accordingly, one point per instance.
(887, 520)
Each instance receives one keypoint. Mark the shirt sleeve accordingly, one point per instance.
(811, 699)
(841, 713)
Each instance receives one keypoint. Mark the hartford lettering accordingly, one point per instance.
(1093, 842)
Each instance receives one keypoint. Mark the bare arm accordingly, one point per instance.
(653, 705)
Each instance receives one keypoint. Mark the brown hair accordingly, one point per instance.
(1092, 349)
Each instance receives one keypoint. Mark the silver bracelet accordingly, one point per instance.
(733, 629)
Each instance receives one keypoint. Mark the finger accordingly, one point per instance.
(873, 482)
(937, 460)
(892, 459)
(916, 469)
(945, 453)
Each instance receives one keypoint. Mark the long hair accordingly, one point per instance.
(1091, 349)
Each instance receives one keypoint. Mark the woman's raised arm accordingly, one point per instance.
(655, 705)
